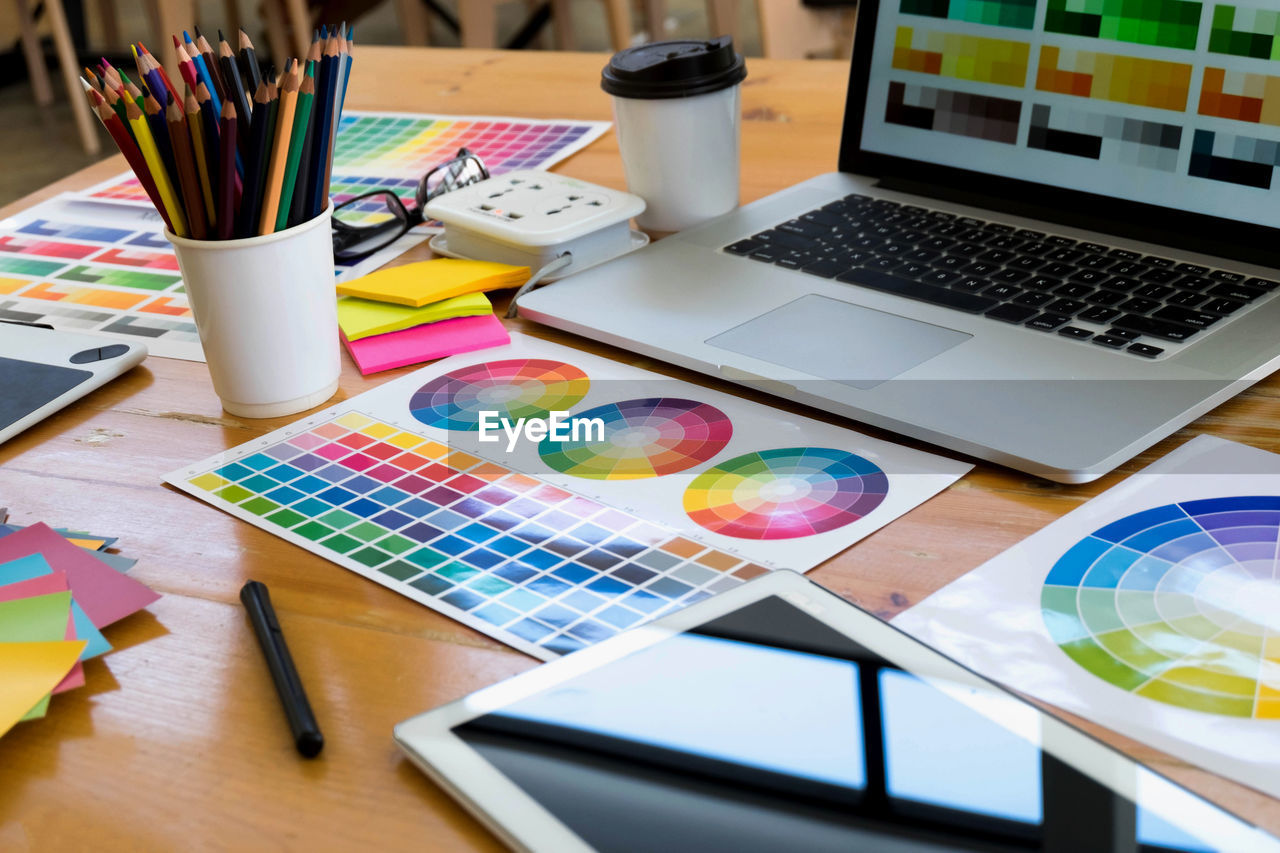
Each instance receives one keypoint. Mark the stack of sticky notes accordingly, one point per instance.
(57, 590)
(422, 311)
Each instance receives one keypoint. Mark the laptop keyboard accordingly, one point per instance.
(1103, 296)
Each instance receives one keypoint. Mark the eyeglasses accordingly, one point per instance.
(355, 237)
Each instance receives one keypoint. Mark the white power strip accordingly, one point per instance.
(531, 218)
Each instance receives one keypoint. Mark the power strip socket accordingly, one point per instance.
(530, 218)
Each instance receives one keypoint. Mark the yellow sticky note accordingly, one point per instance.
(425, 282)
(28, 672)
(360, 318)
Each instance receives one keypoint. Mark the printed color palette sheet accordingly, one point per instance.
(1154, 610)
(547, 545)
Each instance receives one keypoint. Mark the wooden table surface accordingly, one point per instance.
(177, 740)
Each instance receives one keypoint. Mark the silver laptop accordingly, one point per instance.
(1042, 249)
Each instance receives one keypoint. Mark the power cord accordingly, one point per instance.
(563, 260)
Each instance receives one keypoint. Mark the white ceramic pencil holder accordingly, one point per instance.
(267, 314)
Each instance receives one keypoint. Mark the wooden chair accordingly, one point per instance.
(478, 22)
(40, 82)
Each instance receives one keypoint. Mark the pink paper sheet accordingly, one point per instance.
(105, 594)
(426, 342)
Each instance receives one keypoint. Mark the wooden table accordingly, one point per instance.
(177, 741)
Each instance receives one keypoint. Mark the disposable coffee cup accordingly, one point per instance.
(267, 315)
(677, 109)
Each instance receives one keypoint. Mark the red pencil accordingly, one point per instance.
(129, 148)
(186, 67)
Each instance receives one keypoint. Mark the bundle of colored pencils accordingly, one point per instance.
(235, 153)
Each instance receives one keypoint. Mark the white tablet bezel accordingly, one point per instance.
(524, 825)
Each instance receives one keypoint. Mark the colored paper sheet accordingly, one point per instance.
(45, 584)
(23, 568)
(49, 581)
(105, 594)
(40, 617)
(552, 545)
(118, 562)
(425, 343)
(1151, 610)
(28, 672)
(361, 318)
(424, 282)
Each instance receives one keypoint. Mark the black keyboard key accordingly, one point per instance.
(1193, 282)
(802, 228)
(1105, 297)
(1144, 350)
(896, 248)
(1036, 248)
(784, 240)
(911, 269)
(1097, 314)
(1075, 332)
(824, 217)
(1239, 292)
(971, 284)
(767, 254)
(949, 229)
(941, 216)
(1154, 291)
(1140, 306)
(1191, 269)
(997, 256)
(1096, 248)
(980, 268)
(1027, 262)
(936, 244)
(941, 277)
(952, 262)
(1041, 282)
(825, 268)
(971, 222)
(1121, 283)
(1263, 283)
(998, 228)
(967, 249)
(1032, 298)
(1096, 262)
(1222, 306)
(1057, 270)
(1124, 254)
(1124, 334)
(1186, 316)
(884, 264)
(1160, 275)
(970, 302)
(792, 263)
(1072, 290)
(1002, 291)
(1127, 268)
(1047, 322)
(1109, 342)
(1089, 276)
(1186, 298)
(1006, 242)
(1066, 306)
(1010, 313)
(1065, 255)
(1153, 261)
(1011, 276)
(743, 247)
(1059, 241)
(1163, 329)
(924, 256)
(1028, 234)
(1223, 275)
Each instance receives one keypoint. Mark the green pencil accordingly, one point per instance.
(301, 117)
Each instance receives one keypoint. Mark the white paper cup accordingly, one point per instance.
(267, 314)
(677, 110)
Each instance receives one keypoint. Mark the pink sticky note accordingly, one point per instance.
(105, 594)
(423, 343)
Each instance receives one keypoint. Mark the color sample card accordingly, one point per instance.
(667, 494)
(1154, 609)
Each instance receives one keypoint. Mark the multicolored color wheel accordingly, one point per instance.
(642, 438)
(1180, 603)
(514, 388)
(785, 493)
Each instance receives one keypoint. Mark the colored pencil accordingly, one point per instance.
(231, 79)
(280, 150)
(249, 63)
(164, 77)
(124, 140)
(256, 154)
(226, 171)
(134, 93)
(160, 132)
(200, 154)
(155, 165)
(186, 66)
(198, 55)
(116, 102)
(212, 78)
(337, 102)
(298, 135)
(317, 189)
(188, 177)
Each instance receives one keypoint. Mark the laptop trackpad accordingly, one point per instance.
(839, 341)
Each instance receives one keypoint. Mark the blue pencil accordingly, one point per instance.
(317, 190)
(202, 69)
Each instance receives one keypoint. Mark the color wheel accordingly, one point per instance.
(1180, 604)
(785, 493)
(514, 388)
(642, 438)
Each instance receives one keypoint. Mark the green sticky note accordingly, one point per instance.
(361, 318)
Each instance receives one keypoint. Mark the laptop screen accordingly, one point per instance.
(1174, 103)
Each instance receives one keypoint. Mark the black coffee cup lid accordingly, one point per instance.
(674, 69)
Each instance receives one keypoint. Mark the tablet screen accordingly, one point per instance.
(767, 730)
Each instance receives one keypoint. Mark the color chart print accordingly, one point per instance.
(1240, 96)
(1244, 160)
(998, 13)
(964, 57)
(947, 111)
(551, 552)
(642, 438)
(1097, 136)
(1161, 23)
(1245, 31)
(785, 493)
(512, 389)
(1180, 604)
(1114, 77)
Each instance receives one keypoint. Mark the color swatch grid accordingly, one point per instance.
(1113, 77)
(1116, 139)
(947, 111)
(1244, 160)
(1161, 23)
(1245, 31)
(1241, 96)
(1177, 604)
(998, 13)
(964, 57)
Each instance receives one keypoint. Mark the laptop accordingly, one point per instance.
(1051, 241)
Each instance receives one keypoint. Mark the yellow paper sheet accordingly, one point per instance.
(362, 318)
(28, 671)
(425, 282)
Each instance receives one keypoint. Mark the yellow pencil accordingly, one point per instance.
(279, 150)
(196, 127)
(151, 154)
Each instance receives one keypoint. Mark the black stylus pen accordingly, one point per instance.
(302, 722)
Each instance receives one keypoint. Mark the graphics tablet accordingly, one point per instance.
(778, 717)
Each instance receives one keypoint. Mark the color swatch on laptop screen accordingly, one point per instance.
(1073, 93)
(549, 545)
(1179, 604)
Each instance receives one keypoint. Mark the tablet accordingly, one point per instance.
(779, 717)
(43, 370)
